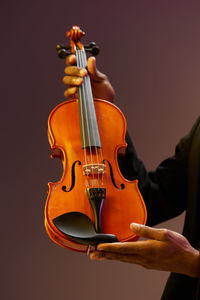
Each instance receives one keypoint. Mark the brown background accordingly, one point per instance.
(150, 51)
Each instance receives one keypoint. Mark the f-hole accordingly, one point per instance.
(64, 188)
(122, 186)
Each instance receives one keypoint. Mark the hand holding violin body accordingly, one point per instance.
(164, 250)
(101, 87)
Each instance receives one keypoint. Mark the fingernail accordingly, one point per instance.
(135, 226)
(92, 256)
(79, 80)
(83, 72)
(98, 256)
(100, 247)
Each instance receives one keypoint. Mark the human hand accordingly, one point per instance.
(164, 250)
(101, 86)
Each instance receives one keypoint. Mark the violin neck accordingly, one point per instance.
(87, 116)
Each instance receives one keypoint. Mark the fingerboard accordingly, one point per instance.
(87, 115)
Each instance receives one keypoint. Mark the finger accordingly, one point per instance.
(70, 92)
(126, 248)
(149, 232)
(73, 81)
(93, 71)
(71, 60)
(117, 256)
(75, 71)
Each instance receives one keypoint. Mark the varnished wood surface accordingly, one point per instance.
(121, 207)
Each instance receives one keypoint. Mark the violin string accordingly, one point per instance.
(93, 132)
(86, 112)
(89, 96)
(97, 150)
(81, 114)
(102, 177)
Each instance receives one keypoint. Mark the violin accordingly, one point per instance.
(92, 203)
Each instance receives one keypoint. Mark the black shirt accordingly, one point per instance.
(172, 188)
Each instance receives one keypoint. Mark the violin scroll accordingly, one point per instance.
(75, 34)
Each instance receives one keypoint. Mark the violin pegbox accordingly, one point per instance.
(75, 34)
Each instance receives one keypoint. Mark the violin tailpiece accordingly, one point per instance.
(96, 197)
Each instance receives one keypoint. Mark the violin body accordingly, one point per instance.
(92, 203)
(122, 205)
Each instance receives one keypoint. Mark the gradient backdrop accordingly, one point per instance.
(151, 52)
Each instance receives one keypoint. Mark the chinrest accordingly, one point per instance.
(79, 228)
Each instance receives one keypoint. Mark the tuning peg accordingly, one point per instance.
(92, 48)
(63, 51)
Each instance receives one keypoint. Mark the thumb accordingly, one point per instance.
(95, 74)
(149, 232)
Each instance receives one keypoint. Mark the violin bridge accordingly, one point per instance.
(93, 169)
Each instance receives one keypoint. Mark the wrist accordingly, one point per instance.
(194, 264)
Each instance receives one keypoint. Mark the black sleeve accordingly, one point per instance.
(165, 189)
